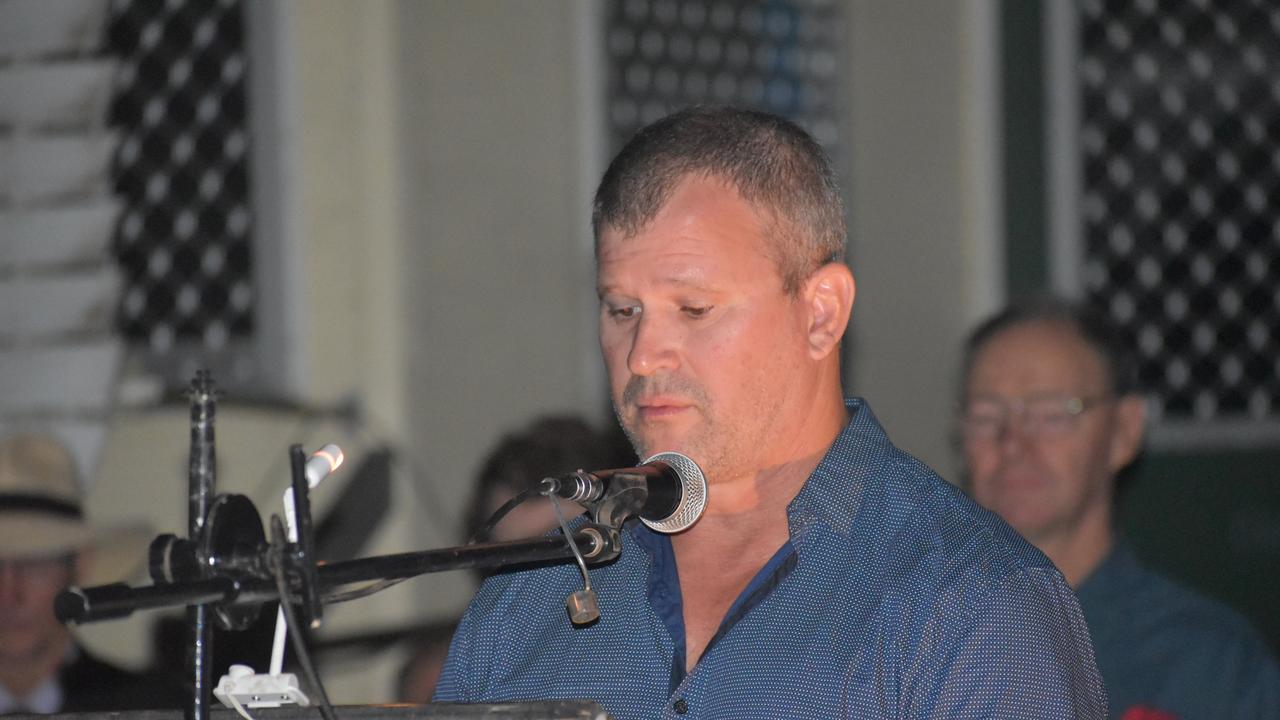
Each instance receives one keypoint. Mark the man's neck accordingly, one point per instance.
(1079, 553)
(748, 510)
(744, 524)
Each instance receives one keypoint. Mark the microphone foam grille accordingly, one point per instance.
(693, 497)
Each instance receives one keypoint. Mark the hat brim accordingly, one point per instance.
(114, 553)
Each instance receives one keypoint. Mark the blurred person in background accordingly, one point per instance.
(550, 445)
(46, 545)
(1049, 416)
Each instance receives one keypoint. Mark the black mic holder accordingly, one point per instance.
(244, 583)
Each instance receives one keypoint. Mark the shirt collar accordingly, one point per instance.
(1119, 563)
(46, 699)
(48, 696)
(834, 492)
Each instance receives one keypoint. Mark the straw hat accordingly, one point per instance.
(41, 513)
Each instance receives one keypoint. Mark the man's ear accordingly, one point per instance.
(1126, 440)
(828, 295)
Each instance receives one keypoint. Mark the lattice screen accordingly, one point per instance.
(1180, 136)
(184, 239)
(780, 56)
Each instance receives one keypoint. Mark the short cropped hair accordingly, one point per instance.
(774, 164)
(1089, 324)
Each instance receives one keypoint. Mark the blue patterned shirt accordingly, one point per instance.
(895, 597)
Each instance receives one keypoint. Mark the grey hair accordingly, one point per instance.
(1092, 327)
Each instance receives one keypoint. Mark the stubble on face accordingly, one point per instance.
(639, 387)
(719, 446)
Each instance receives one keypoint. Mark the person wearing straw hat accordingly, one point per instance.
(47, 545)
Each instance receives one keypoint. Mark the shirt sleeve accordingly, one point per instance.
(1018, 648)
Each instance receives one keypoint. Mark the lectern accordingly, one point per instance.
(533, 710)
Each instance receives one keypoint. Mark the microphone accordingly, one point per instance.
(677, 489)
(321, 463)
(319, 466)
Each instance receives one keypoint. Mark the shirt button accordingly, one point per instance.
(680, 706)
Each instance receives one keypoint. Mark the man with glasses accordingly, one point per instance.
(1050, 414)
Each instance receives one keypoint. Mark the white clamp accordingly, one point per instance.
(240, 686)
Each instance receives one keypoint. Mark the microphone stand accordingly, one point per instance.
(201, 478)
(227, 568)
(107, 602)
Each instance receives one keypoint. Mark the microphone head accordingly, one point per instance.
(693, 495)
(321, 463)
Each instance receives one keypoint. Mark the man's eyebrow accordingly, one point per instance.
(667, 283)
(690, 280)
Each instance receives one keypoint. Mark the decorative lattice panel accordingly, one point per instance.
(1180, 136)
(182, 170)
(781, 56)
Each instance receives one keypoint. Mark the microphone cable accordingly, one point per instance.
(582, 605)
(496, 517)
(480, 534)
(278, 536)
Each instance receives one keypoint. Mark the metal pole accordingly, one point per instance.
(106, 602)
(201, 477)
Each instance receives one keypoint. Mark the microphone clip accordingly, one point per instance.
(624, 495)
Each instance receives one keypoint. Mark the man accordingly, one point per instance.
(831, 575)
(45, 546)
(1050, 415)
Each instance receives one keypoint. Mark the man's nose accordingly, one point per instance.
(10, 584)
(1013, 434)
(653, 349)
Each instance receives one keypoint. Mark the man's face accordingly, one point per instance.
(1044, 472)
(28, 626)
(705, 352)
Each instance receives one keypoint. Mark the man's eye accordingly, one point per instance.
(696, 312)
(624, 313)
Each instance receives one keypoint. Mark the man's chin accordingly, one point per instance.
(648, 447)
(21, 651)
(1033, 524)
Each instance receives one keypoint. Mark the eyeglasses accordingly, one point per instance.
(987, 418)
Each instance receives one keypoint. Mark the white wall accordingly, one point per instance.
(925, 245)
(501, 278)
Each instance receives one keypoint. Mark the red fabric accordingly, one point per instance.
(1142, 712)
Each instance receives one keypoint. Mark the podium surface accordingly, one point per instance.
(530, 710)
